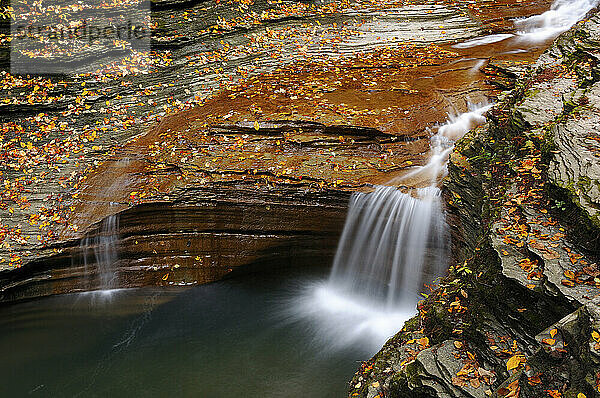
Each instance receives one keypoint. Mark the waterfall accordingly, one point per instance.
(104, 246)
(391, 245)
(394, 242)
(561, 16)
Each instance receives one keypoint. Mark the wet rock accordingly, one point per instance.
(576, 163)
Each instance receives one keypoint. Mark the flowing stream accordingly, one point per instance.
(395, 241)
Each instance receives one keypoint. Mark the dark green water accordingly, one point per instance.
(227, 339)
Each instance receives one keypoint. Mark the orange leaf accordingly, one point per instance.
(533, 380)
(548, 341)
(569, 274)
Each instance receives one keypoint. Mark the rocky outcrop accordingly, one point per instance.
(57, 129)
(518, 313)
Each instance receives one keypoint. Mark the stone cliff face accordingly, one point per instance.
(200, 237)
(246, 171)
(518, 313)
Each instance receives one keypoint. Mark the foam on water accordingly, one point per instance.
(341, 319)
(459, 125)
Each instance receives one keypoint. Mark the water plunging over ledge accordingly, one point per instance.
(104, 247)
(393, 243)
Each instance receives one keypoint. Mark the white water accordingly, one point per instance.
(390, 237)
(563, 14)
(104, 246)
(392, 244)
(480, 41)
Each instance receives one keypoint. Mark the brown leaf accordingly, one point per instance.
(550, 254)
(568, 282)
(475, 383)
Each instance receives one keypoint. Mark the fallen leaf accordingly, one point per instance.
(548, 341)
(514, 362)
(550, 254)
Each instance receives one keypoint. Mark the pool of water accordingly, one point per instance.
(226, 339)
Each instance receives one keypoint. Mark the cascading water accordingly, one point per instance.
(104, 246)
(563, 14)
(392, 243)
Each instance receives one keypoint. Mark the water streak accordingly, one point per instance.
(104, 246)
(480, 41)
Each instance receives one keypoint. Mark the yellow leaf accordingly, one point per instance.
(548, 341)
(581, 395)
(553, 333)
(596, 335)
(164, 278)
(514, 362)
(569, 274)
(256, 125)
